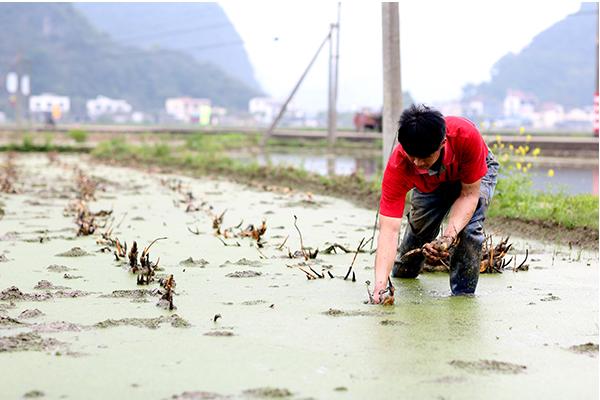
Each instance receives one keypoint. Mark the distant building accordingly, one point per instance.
(48, 103)
(549, 115)
(264, 109)
(449, 108)
(190, 110)
(519, 104)
(104, 106)
(218, 115)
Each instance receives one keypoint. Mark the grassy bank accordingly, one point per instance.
(561, 216)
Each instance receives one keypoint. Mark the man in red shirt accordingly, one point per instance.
(452, 172)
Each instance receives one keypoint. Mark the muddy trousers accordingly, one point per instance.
(424, 220)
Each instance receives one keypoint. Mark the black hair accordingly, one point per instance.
(421, 130)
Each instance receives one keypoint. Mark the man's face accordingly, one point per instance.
(427, 162)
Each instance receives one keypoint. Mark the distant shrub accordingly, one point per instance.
(78, 135)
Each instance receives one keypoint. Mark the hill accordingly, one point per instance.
(557, 66)
(64, 54)
(201, 30)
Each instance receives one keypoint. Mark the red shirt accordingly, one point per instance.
(464, 155)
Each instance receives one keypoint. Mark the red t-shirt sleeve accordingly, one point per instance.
(393, 189)
(474, 151)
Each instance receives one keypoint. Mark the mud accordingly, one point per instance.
(57, 326)
(14, 294)
(219, 333)
(74, 252)
(375, 312)
(28, 342)
(191, 263)
(315, 338)
(253, 302)
(8, 322)
(152, 323)
(389, 322)
(27, 314)
(244, 274)
(492, 366)
(590, 349)
(132, 294)
(242, 261)
(267, 392)
(44, 284)
(34, 394)
(59, 268)
(199, 395)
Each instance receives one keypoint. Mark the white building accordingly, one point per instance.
(549, 115)
(264, 109)
(519, 104)
(188, 109)
(102, 106)
(49, 103)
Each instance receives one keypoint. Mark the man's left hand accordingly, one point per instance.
(438, 249)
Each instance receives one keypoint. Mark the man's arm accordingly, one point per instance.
(387, 243)
(460, 214)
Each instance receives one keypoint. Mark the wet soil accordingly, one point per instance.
(489, 366)
(152, 323)
(315, 338)
(28, 342)
(589, 348)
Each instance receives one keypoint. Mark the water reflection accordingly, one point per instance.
(570, 179)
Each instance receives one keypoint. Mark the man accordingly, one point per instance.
(452, 171)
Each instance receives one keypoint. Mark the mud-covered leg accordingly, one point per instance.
(464, 263)
(424, 220)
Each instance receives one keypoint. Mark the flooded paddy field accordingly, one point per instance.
(246, 322)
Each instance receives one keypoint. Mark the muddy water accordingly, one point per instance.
(278, 333)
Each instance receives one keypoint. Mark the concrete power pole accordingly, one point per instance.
(392, 88)
(596, 101)
(334, 55)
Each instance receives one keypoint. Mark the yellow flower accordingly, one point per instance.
(528, 138)
(524, 169)
(505, 157)
(536, 152)
(526, 149)
(551, 173)
(510, 146)
(522, 130)
(518, 165)
(501, 145)
(528, 165)
(498, 138)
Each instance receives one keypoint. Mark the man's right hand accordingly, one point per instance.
(379, 288)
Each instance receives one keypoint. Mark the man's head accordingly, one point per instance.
(422, 134)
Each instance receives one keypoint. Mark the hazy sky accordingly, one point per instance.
(444, 45)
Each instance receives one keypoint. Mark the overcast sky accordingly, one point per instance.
(444, 45)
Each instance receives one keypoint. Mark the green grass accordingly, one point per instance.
(514, 198)
(203, 154)
(78, 135)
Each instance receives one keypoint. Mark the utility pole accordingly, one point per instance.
(392, 88)
(596, 105)
(18, 96)
(334, 55)
(269, 132)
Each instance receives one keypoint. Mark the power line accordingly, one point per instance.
(148, 52)
(171, 32)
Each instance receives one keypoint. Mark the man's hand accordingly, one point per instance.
(379, 288)
(438, 249)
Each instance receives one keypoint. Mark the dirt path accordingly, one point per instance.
(247, 323)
